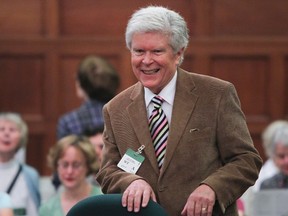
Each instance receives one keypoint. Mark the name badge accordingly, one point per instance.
(19, 211)
(131, 161)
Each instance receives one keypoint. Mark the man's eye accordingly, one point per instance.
(157, 52)
(138, 52)
(280, 156)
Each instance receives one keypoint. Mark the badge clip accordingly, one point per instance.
(140, 149)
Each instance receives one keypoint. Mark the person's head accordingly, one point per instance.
(96, 138)
(157, 38)
(97, 78)
(13, 133)
(74, 158)
(275, 142)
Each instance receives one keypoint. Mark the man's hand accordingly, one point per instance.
(200, 202)
(139, 191)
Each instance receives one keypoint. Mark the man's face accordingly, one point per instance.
(153, 61)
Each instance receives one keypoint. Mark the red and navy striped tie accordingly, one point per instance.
(159, 128)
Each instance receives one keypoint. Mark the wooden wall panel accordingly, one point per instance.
(25, 78)
(188, 63)
(250, 18)
(67, 91)
(250, 75)
(84, 17)
(21, 18)
(35, 144)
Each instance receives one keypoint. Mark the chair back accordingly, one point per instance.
(111, 205)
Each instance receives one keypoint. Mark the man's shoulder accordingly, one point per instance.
(69, 115)
(199, 78)
(73, 115)
(126, 94)
(30, 172)
(202, 83)
(271, 182)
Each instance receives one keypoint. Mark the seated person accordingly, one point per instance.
(280, 158)
(5, 205)
(269, 168)
(74, 158)
(96, 83)
(19, 180)
(96, 138)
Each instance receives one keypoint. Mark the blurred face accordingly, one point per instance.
(9, 137)
(98, 144)
(153, 61)
(72, 168)
(281, 158)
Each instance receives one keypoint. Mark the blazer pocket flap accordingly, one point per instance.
(198, 133)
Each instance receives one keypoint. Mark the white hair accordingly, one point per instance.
(161, 20)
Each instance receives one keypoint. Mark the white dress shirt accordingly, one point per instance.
(167, 93)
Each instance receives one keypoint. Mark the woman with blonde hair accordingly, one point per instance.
(73, 158)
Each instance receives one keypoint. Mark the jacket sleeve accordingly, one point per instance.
(241, 161)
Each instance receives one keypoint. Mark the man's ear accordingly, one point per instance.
(179, 55)
(79, 91)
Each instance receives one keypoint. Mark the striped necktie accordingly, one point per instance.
(158, 126)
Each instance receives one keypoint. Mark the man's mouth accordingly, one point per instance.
(149, 72)
(5, 142)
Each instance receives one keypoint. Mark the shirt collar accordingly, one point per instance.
(167, 93)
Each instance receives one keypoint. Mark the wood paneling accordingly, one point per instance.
(42, 43)
(250, 18)
(21, 18)
(18, 91)
(78, 18)
(244, 72)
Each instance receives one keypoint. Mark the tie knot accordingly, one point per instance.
(157, 101)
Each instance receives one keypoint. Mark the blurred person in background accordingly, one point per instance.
(96, 83)
(96, 138)
(278, 151)
(73, 158)
(269, 167)
(19, 180)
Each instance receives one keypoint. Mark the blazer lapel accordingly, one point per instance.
(139, 120)
(183, 106)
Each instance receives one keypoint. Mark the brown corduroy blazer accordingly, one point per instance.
(208, 143)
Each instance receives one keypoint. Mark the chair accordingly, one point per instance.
(110, 205)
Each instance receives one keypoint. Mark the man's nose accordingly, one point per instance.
(147, 59)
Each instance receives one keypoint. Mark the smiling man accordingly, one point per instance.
(176, 137)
